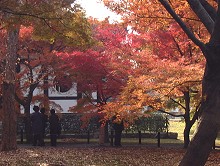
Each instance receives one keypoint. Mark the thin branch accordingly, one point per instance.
(168, 18)
(9, 11)
(215, 37)
(20, 101)
(210, 9)
(196, 115)
(182, 83)
(169, 113)
(178, 103)
(178, 47)
(182, 24)
(202, 14)
(44, 19)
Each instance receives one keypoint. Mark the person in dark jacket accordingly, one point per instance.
(54, 127)
(118, 126)
(37, 126)
(45, 120)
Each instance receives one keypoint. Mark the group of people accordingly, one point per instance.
(39, 121)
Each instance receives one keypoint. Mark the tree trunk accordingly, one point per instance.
(9, 122)
(186, 135)
(27, 123)
(187, 118)
(101, 135)
(26, 102)
(201, 144)
(106, 133)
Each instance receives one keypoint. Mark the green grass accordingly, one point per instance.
(150, 141)
(178, 127)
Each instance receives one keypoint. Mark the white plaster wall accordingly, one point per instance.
(52, 92)
(66, 104)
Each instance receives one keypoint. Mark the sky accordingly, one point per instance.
(96, 9)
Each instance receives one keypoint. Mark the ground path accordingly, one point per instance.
(72, 154)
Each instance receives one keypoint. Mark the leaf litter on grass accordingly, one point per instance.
(97, 156)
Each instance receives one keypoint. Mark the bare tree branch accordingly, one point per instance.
(178, 103)
(9, 11)
(178, 46)
(210, 9)
(182, 25)
(166, 18)
(169, 113)
(202, 14)
(196, 114)
(215, 37)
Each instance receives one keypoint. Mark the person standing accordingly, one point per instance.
(54, 127)
(45, 120)
(37, 126)
(118, 126)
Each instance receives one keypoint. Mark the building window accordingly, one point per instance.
(63, 83)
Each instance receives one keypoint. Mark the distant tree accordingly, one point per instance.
(52, 16)
(173, 46)
(104, 68)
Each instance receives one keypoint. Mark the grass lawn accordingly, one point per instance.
(178, 127)
(175, 126)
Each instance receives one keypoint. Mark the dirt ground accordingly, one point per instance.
(95, 155)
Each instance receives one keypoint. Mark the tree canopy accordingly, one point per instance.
(191, 16)
(49, 22)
